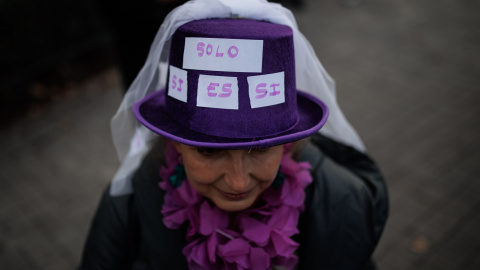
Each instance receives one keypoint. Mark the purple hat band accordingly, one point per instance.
(231, 83)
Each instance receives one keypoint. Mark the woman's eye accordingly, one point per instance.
(209, 151)
(260, 150)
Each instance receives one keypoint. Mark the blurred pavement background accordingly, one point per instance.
(408, 76)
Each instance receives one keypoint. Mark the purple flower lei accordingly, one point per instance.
(256, 238)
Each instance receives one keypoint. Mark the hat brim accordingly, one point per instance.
(150, 111)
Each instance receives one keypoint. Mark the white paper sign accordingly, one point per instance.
(178, 84)
(217, 54)
(217, 92)
(266, 90)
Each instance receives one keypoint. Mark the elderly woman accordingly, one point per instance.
(239, 177)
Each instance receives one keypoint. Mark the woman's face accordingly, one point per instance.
(232, 179)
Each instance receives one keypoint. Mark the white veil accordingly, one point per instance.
(132, 140)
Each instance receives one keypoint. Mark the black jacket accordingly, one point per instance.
(346, 210)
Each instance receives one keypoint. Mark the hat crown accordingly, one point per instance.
(232, 78)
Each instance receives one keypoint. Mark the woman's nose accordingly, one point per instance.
(237, 176)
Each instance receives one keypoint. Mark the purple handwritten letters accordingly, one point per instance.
(232, 52)
(266, 90)
(217, 92)
(226, 55)
(222, 92)
(219, 54)
(178, 85)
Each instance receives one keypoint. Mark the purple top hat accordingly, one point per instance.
(231, 84)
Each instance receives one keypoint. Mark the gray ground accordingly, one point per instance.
(408, 79)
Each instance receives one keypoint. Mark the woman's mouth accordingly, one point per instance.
(235, 196)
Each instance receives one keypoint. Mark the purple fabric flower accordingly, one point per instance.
(236, 252)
